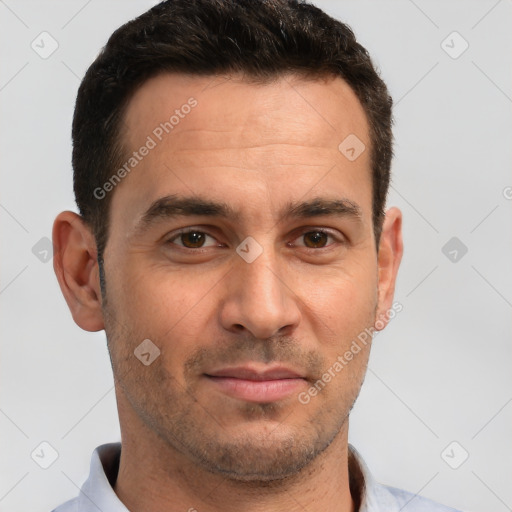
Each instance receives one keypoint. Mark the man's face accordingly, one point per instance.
(241, 339)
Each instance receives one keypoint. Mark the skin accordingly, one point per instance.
(187, 444)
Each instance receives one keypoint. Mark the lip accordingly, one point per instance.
(253, 384)
(256, 374)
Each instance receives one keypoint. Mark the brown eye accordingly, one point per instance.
(316, 239)
(192, 239)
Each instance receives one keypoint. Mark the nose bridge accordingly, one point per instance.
(261, 277)
(260, 299)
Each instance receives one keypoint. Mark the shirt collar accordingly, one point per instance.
(97, 493)
(373, 496)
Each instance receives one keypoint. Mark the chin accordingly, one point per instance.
(261, 461)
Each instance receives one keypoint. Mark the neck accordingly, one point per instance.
(154, 476)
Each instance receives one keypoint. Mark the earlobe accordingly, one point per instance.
(389, 257)
(76, 267)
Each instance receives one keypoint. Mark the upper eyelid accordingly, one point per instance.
(184, 231)
(337, 238)
(340, 238)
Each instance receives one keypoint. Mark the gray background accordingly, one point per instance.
(439, 373)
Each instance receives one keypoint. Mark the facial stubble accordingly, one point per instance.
(203, 432)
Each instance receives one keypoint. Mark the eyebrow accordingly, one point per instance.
(173, 206)
(319, 207)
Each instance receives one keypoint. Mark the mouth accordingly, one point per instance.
(253, 384)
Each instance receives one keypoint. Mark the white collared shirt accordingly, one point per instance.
(97, 492)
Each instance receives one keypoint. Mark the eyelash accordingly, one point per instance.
(175, 236)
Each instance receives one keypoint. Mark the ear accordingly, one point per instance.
(389, 257)
(76, 265)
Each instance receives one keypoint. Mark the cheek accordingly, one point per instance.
(343, 301)
(162, 305)
(154, 296)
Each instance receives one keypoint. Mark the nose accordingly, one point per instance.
(260, 298)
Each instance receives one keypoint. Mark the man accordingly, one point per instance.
(231, 165)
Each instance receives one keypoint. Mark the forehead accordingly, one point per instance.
(242, 142)
(310, 109)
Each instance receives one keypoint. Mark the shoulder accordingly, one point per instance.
(68, 506)
(376, 497)
(414, 502)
